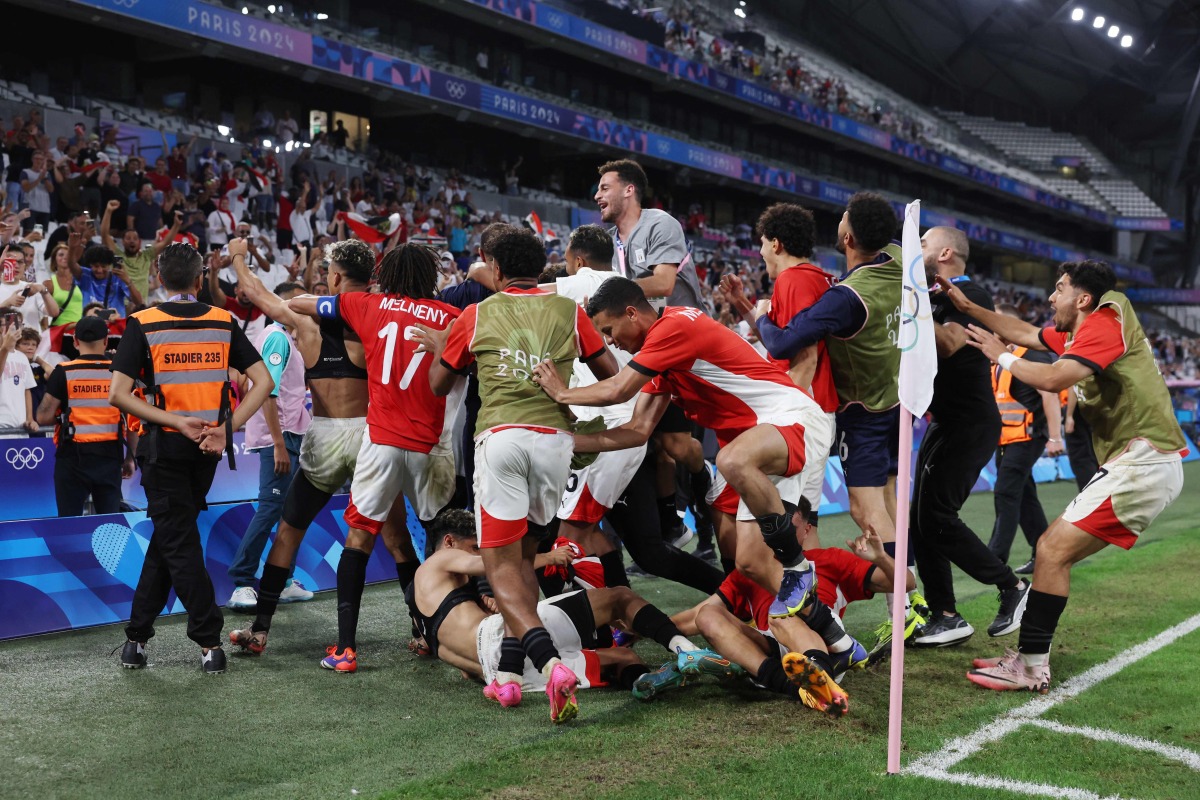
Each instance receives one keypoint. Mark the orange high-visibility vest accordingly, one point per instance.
(87, 416)
(189, 357)
(1016, 418)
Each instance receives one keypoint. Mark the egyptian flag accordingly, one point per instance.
(584, 571)
(180, 238)
(543, 231)
(371, 230)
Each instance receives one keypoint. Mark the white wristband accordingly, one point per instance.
(1006, 360)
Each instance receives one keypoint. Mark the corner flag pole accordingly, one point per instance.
(918, 366)
(900, 591)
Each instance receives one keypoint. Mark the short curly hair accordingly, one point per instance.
(792, 225)
(872, 221)
(519, 253)
(355, 258)
(457, 522)
(593, 243)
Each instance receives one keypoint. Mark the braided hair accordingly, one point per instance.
(409, 270)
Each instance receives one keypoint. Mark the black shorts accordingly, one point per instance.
(579, 609)
(674, 421)
(867, 444)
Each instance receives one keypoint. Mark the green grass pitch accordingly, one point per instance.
(73, 724)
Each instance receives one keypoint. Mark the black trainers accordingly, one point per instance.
(212, 662)
(706, 553)
(943, 631)
(1012, 608)
(1025, 569)
(133, 655)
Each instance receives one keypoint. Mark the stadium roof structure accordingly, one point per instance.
(1031, 61)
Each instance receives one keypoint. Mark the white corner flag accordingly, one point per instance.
(918, 366)
(918, 353)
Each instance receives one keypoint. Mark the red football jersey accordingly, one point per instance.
(796, 289)
(403, 410)
(717, 378)
(746, 600)
(841, 577)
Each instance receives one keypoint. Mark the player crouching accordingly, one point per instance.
(462, 629)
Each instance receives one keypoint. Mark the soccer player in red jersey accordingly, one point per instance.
(764, 422)
(406, 448)
(787, 233)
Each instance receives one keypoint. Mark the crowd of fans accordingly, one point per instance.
(689, 33)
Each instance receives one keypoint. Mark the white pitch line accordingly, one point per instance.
(1020, 787)
(937, 764)
(1187, 757)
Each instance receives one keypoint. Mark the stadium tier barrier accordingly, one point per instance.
(76, 572)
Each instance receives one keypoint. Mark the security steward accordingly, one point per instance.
(1031, 424)
(94, 440)
(181, 351)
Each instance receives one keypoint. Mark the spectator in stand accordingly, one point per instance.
(286, 128)
(132, 177)
(102, 279)
(177, 166)
(110, 189)
(64, 291)
(29, 341)
(300, 219)
(31, 300)
(36, 187)
(145, 215)
(160, 179)
(16, 384)
(339, 136)
(20, 158)
(138, 254)
(221, 223)
(512, 183)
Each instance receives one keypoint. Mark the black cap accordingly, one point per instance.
(91, 329)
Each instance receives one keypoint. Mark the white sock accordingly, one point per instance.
(1035, 659)
(549, 667)
(889, 598)
(507, 677)
(841, 645)
(681, 644)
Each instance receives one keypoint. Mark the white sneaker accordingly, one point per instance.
(294, 592)
(243, 598)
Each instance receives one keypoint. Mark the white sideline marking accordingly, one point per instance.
(937, 765)
(1186, 757)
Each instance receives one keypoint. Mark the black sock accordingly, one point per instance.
(512, 655)
(890, 549)
(630, 674)
(780, 535)
(539, 647)
(604, 637)
(273, 580)
(654, 624)
(1041, 619)
(1011, 582)
(728, 565)
(668, 514)
(351, 577)
(821, 659)
(772, 676)
(405, 570)
(824, 623)
(614, 569)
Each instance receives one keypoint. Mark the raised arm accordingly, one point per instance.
(214, 280)
(1017, 331)
(1062, 374)
(161, 244)
(106, 225)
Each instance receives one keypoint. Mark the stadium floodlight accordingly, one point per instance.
(231, 140)
(267, 143)
(742, 3)
(1098, 23)
(1127, 41)
(307, 145)
(245, 10)
(321, 16)
(1113, 31)
(287, 146)
(738, 12)
(1077, 15)
(223, 130)
(271, 9)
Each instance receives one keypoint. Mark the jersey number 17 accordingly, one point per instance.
(391, 332)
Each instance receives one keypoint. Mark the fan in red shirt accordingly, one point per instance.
(407, 445)
(764, 422)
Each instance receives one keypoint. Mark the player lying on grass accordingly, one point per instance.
(781, 654)
(462, 628)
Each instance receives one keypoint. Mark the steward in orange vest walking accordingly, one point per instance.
(182, 351)
(1032, 425)
(90, 458)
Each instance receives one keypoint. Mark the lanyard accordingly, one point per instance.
(961, 279)
(620, 254)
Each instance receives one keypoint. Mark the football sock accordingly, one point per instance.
(630, 674)
(614, 569)
(351, 576)
(540, 648)
(668, 514)
(771, 675)
(405, 570)
(821, 659)
(890, 549)
(512, 660)
(273, 580)
(1042, 612)
(780, 535)
(652, 623)
(823, 622)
